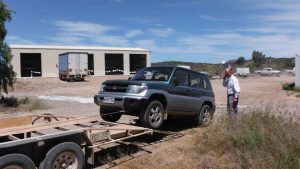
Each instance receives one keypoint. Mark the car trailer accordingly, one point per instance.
(58, 142)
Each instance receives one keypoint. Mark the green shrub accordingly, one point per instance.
(288, 86)
(10, 102)
(23, 104)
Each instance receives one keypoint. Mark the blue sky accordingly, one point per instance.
(184, 30)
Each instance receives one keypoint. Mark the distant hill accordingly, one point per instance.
(217, 69)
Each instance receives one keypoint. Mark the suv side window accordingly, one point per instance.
(198, 81)
(182, 78)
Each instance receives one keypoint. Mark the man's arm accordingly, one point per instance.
(237, 88)
(225, 82)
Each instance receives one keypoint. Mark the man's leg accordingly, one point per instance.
(235, 106)
(230, 105)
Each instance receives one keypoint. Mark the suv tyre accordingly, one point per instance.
(153, 116)
(108, 114)
(204, 117)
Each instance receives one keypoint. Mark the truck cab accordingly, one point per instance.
(270, 72)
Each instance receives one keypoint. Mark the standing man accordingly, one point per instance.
(233, 91)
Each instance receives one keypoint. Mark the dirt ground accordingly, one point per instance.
(255, 92)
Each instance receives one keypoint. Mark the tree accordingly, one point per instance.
(7, 75)
(241, 60)
(258, 58)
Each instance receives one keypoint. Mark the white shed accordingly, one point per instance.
(42, 60)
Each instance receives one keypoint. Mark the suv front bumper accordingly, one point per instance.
(123, 101)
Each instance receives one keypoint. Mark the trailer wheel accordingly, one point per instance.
(110, 114)
(64, 155)
(153, 116)
(16, 161)
(204, 117)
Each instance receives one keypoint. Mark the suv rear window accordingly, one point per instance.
(198, 81)
(154, 74)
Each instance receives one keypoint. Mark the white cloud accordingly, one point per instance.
(272, 28)
(82, 32)
(66, 40)
(279, 5)
(161, 32)
(236, 44)
(265, 30)
(146, 43)
(134, 33)
(79, 27)
(112, 40)
(13, 39)
(210, 18)
(145, 21)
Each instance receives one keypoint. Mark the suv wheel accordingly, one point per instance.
(110, 114)
(153, 116)
(204, 116)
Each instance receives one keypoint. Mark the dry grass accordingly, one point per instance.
(26, 104)
(255, 139)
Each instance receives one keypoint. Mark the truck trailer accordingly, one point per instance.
(73, 66)
(243, 71)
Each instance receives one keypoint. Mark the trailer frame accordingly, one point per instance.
(36, 140)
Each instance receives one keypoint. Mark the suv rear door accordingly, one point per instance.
(200, 89)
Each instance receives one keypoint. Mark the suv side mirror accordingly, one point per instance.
(129, 78)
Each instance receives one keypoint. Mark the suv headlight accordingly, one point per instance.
(135, 89)
(102, 86)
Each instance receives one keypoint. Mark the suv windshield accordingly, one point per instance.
(154, 74)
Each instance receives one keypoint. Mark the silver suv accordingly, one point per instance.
(155, 93)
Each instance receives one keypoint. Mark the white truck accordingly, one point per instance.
(291, 72)
(242, 71)
(73, 66)
(268, 72)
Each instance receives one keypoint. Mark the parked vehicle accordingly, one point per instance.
(268, 72)
(155, 93)
(242, 71)
(73, 66)
(291, 72)
(62, 142)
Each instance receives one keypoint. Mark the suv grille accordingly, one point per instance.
(115, 88)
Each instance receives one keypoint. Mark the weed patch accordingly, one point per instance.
(290, 87)
(21, 104)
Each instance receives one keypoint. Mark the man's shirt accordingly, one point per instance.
(233, 86)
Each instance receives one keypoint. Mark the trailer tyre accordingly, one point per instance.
(16, 161)
(64, 155)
